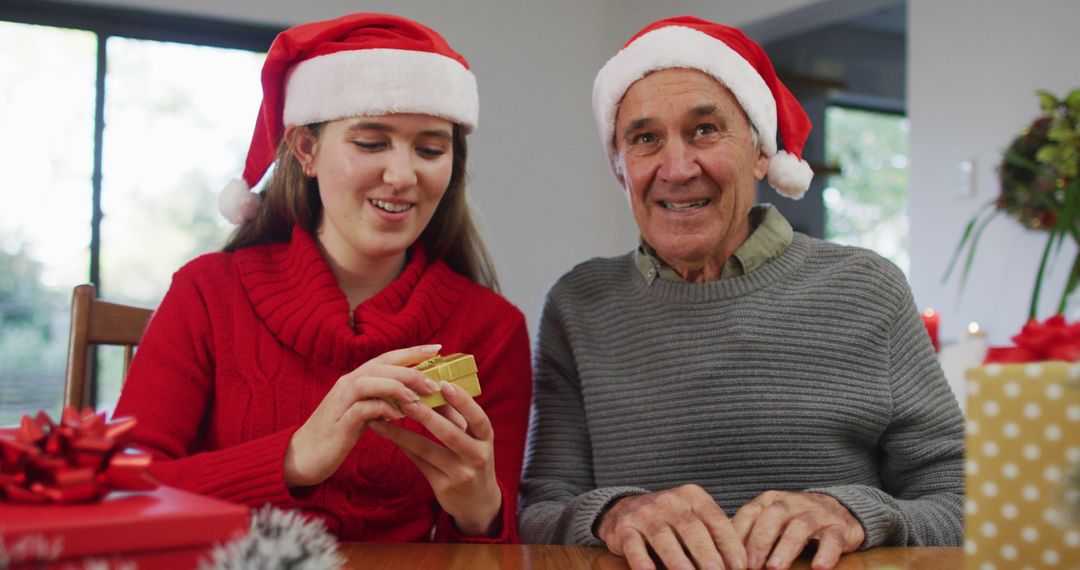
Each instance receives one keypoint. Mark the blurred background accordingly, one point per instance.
(124, 118)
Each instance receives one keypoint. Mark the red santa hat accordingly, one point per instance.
(355, 65)
(734, 60)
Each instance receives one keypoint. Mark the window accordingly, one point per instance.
(48, 161)
(177, 117)
(866, 203)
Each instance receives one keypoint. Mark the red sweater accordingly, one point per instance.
(246, 344)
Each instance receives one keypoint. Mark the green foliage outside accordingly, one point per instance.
(33, 339)
(866, 204)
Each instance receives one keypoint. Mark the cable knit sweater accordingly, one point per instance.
(811, 373)
(245, 345)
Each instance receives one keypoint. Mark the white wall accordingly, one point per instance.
(973, 68)
(537, 175)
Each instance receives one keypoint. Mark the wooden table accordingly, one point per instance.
(546, 557)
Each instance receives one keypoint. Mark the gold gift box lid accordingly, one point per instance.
(458, 369)
(448, 368)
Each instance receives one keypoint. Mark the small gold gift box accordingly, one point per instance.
(458, 369)
(1023, 445)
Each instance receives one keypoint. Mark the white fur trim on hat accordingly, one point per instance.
(237, 202)
(675, 47)
(380, 82)
(790, 176)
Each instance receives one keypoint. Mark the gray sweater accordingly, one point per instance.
(812, 373)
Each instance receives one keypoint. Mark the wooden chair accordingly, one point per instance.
(95, 322)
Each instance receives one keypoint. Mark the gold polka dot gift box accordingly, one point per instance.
(1023, 455)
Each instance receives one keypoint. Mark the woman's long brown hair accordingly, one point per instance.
(291, 198)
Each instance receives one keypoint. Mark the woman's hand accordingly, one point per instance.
(462, 473)
(318, 448)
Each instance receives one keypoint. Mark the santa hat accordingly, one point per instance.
(355, 65)
(736, 61)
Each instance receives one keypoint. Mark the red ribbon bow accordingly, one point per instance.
(1052, 339)
(78, 460)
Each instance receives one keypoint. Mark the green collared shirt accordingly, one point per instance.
(771, 236)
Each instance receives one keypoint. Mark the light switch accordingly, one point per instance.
(964, 179)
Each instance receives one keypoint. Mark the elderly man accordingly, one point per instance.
(731, 392)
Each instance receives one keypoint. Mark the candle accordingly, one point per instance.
(932, 319)
(956, 358)
(975, 341)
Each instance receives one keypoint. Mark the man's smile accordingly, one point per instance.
(682, 206)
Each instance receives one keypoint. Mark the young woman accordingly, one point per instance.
(269, 371)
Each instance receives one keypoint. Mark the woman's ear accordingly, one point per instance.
(304, 147)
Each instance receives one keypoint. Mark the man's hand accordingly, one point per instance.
(783, 523)
(679, 524)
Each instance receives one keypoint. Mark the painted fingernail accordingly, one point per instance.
(412, 395)
(431, 348)
(410, 406)
(446, 387)
(431, 384)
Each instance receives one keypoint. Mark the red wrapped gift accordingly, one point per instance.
(79, 459)
(1052, 339)
(164, 528)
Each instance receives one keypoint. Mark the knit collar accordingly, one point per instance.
(778, 268)
(770, 236)
(294, 293)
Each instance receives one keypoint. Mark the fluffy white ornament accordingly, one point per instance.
(30, 548)
(278, 539)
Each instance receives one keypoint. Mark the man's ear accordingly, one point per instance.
(761, 165)
(619, 168)
(304, 148)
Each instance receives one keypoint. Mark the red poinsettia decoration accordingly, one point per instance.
(80, 459)
(1052, 339)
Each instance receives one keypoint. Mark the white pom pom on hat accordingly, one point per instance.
(355, 65)
(734, 60)
(789, 174)
(237, 202)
